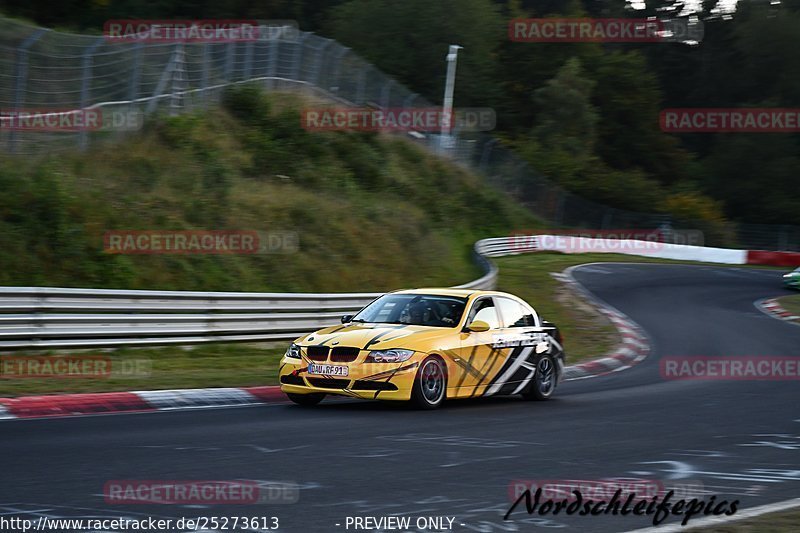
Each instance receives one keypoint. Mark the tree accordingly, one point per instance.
(409, 40)
(567, 120)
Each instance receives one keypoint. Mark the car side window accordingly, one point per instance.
(515, 315)
(485, 310)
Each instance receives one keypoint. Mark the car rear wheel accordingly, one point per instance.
(544, 381)
(430, 384)
(306, 400)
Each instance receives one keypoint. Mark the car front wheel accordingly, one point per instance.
(430, 384)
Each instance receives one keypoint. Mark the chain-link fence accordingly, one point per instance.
(42, 69)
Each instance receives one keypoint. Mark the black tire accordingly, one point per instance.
(544, 381)
(306, 400)
(430, 384)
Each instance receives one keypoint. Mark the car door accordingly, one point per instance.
(522, 335)
(478, 360)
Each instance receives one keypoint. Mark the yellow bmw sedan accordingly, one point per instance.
(428, 345)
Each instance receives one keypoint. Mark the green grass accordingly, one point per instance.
(372, 211)
(783, 522)
(213, 365)
(791, 303)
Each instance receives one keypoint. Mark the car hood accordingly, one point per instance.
(376, 336)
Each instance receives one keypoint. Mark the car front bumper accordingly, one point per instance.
(382, 381)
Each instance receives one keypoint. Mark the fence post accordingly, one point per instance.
(86, 84)
(204, 77)
(298, 55)
(248, 60)
(21, 75)
(410, 98)
(362, 81)
(318, 65)
(178, 85)
(133, 88)
(337, 73)
(229, 61)
(166, 77)
(487, 150)
(272, 61)
(385, 92)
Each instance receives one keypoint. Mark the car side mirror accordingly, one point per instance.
(477, 326)
(346, 318)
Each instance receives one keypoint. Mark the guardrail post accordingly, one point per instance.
(21, 76)
(86, 85)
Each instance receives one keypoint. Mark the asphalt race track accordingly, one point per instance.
(739, 439)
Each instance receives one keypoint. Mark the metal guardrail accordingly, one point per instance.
(46, 317)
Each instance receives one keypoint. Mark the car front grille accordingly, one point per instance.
(344, 354)
(318, 353)
(329, 383)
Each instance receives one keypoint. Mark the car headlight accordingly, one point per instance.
(389, 356)
(293, 351)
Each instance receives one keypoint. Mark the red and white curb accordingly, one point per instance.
(634, 345)
(773, 308)
(135, 401)
(633, 348)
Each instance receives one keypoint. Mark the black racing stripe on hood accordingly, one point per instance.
(377, 337)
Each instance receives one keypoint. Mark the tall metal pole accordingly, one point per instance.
(447, 108)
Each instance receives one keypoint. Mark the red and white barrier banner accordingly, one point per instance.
(761, 257)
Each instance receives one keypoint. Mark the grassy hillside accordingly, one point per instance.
(372, 211)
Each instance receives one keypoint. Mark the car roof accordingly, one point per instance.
(447, 291)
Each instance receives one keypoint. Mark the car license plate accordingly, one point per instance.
(328, 370)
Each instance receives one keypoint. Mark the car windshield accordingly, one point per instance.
(414, 309)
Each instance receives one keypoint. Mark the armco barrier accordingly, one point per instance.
(43, 317)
